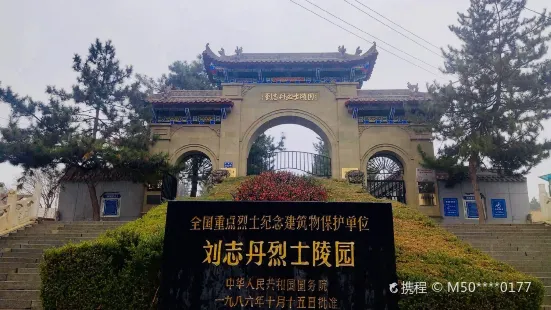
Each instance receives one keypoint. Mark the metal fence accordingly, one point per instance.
(389, 189)
(310, 163)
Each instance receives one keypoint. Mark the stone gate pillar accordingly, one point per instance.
(230, 129)
(348, 135)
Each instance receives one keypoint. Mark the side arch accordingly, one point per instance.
(400, 154)
(190, 148)
(287, 116)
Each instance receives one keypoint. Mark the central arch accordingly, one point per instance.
(284, 117)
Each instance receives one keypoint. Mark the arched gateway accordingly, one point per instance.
(320, 91)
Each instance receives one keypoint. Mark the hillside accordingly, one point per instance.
(425, 253)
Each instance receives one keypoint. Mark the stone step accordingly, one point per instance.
(28, 270)
(519, 255)
(542, 274)
(85, 228)
(56, 242)
(15, 304)
(516, 248)
(544, 265)
(501, 233)
(527, 268)
(527, 238)
(23, 247)
(60, 234)
(51, 238)
(544, 237)
(20, 294)
(104, 225)
(38, 246)
(18, 260)
(546, 281)
(490, 242)
(45, 228)
(27, 250)
(31, 277)
(7, 270)
(19, 285)
(21, 255)
(18, 265)
(547, 290)
(476, 224)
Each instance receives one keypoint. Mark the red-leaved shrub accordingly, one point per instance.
(280, 186)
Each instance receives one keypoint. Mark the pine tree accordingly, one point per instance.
(97, 127)
(492, 116)
(321, 165)
(261, 153)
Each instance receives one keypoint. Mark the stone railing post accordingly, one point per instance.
(12, 213)
(545, 202)
(37, 195)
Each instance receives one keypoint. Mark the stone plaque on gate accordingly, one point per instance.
(278, 255)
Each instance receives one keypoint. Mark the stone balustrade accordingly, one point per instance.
(544, 215)
(19, 212)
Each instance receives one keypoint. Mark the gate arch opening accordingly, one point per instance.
(194, 169)
(302, 156)
(385, 176)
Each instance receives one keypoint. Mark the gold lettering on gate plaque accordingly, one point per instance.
(304, 96)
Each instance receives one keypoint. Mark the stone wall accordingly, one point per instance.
(75, 204)
(514, 193)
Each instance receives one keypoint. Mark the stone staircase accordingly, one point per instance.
(526, 247)
(22, 251)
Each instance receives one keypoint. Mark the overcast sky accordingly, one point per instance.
(39, 38)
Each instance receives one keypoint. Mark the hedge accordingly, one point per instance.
(120, 270)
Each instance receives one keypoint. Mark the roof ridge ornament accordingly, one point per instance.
(372, 49)
(222, 52)
(413, 88)
(238, 50)
(358, 51)
(342, 50)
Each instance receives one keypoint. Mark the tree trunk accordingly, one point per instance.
(94, 200)
(473, 165)
(96, 123)
(194, 176)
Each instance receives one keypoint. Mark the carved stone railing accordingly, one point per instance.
(19, 212)
(544, 214)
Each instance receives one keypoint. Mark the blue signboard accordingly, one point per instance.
(472, 211)
(499, 208)
(111, 203)
(111, 196)
(228, 164)
(451, 207)
(111, 207)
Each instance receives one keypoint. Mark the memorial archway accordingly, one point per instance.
(320, 91)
